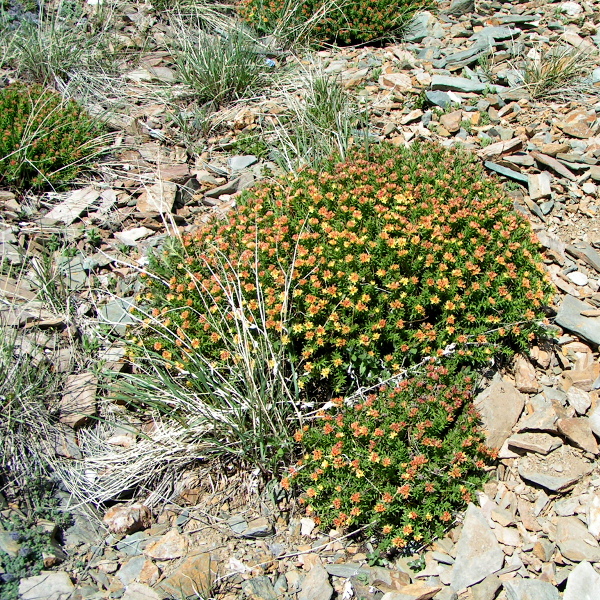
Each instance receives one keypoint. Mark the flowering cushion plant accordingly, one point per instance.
(44, 139)
(349, 22)
(356, 271)
(399, 461)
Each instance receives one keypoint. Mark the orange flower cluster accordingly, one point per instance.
(359, 270)
(378, 463)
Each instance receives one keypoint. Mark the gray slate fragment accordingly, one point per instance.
(423, 25)
(48, 585)
(346, 570)
(542, 443)
(497, 33)
(569, 317)
(446, 593)
(116, 313)
(259, 588)
(530, 589)
(516, 19)
(131, 570)
(574, 540)
(472, 54)
(316, 585)
(460, 7)
(457, 84)
(500, 406)
(440, 99)
(583, 583)
(238, 163)
(507, 172)
(478, 553)
(228, 188)
(557, 471)
(586, 253)
(75, 205)
(134, 544)
(486, 590)
(140, 591)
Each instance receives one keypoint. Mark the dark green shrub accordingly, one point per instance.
(400, 461)
(45, 140)
(34, 539)
(357, 271)
(351, 21)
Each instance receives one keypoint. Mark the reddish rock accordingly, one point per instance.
(525, 378)
(579, 432)
(170, 546)
(127, 518)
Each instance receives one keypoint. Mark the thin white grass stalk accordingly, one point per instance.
(53, 50)
(108, 471)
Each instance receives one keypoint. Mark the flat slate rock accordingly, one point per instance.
(507, 172)
(569, 317)
(456, 84)
(583, 583)
(500, 406)
(48, 585)
(75, 205)
(530, 589)
(574, 540)
(478, 553)
(557, 471)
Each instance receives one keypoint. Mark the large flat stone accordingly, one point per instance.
(75, 205)
(48, 585)
(574, 540)
(530, 589)
(569, 317)
(583, 583)
(316, 585)
(478, 553)
(456, 84)
(158, 198)
(542, 443)
(500, 406)
(193, 576)
(555, 472)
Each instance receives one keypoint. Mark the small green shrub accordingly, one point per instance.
(45, 139)
(358, 271)
(34, 539)
(400, 461)
(348, 22)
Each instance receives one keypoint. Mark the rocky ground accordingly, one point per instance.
(534, 531)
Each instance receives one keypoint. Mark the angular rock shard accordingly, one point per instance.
(478, 552)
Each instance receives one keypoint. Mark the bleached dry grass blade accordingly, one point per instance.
(322, 119)
(61, 45)
(240, 413)
(153, 462)
(560, 71)
(27, 386)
